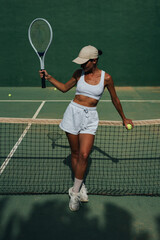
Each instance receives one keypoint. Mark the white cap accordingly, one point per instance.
(86, 53)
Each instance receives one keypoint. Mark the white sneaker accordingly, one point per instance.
(83, 194)
(74, 200)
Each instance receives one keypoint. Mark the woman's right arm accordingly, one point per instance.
(63, 87)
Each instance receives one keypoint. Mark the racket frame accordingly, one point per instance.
(41, 56)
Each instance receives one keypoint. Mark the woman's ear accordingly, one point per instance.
(95, 61)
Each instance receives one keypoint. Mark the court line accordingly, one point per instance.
(136, 101)
(5, 163)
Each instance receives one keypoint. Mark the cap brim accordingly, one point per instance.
(79, 60)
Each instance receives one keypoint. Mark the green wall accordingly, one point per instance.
(127, 31)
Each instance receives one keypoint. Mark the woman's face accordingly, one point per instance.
(89, 65)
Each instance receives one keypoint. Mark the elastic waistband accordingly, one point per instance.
(83, 107)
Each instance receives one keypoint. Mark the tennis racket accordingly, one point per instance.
(40, 37)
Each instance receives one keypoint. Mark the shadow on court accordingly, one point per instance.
(53, 220)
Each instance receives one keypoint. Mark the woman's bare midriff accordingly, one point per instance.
(85, 101)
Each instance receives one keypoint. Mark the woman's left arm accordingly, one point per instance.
(115, 100)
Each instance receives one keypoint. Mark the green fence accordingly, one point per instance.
(127, 32)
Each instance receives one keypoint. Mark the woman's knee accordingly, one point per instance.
(83, 155)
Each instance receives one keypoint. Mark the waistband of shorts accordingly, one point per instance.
(83, 107)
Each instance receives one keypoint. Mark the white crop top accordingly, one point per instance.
(92, 91)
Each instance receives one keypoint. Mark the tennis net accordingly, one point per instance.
(35, 158)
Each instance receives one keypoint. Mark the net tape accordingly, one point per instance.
(57, 121)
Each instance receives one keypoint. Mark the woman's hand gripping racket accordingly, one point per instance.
(40, 37)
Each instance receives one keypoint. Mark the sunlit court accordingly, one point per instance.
(122, 175)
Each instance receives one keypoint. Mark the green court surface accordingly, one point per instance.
(138, 103)
(104, 217)
(48, 217)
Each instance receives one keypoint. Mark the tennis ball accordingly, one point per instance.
(129, 126)
(9, 95)
(55, 89)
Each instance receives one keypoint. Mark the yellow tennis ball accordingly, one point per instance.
(55, 89)
(9, 95)
(129, 126)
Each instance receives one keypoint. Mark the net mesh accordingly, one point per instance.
(35, 158)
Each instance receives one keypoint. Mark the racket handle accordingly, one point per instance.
(43, 81)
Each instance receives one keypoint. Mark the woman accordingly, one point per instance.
(80, 120)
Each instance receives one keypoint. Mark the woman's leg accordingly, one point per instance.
(81, 146)
(74, 145)
(85, 145)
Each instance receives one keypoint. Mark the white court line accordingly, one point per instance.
(136, 101)
(5, 163)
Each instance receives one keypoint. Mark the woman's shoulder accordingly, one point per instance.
(107, 78)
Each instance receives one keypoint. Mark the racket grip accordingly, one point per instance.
(43, 81)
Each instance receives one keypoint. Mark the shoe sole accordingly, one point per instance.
(85, 201)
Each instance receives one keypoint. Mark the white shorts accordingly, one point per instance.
(80, 119)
